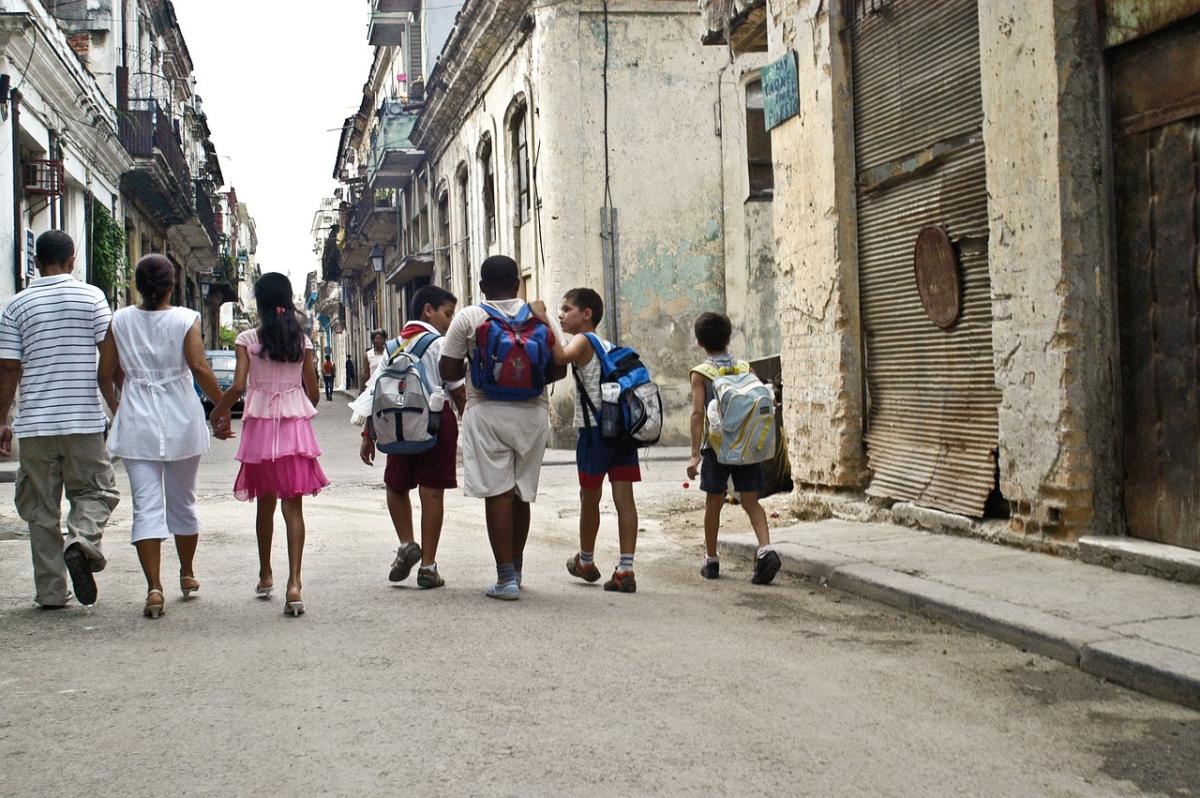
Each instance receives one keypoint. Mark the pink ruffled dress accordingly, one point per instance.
(278, 450)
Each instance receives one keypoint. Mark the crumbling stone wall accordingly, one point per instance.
(816, 243)
(1053, 290)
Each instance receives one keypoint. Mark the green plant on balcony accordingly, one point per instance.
(108, 248)
(383, 198)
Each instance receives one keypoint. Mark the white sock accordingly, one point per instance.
(586, 557)
(762, 551)
(708, 559)
(626, 563)
(431, 567)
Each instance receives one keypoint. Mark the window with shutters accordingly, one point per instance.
(489, 191)
(520, 153)
(759, 163)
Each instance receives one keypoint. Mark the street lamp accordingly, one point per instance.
(377, 258)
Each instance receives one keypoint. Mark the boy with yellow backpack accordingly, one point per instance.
(733, 432)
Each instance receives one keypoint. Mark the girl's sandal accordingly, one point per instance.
(153, 609)
(188, 585)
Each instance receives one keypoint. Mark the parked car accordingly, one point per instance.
(224, 364)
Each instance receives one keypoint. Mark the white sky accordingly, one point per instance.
(277, 80)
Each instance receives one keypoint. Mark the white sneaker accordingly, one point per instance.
(506, 592)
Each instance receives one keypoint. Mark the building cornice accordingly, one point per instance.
(484, 28)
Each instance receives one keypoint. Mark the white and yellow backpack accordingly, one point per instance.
(741, 414)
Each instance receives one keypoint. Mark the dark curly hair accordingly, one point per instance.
(155, 280)
(280, 333)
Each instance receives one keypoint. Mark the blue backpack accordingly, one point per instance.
(630, 415)
(512, 355)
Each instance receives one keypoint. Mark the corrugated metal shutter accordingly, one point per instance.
(932, 429)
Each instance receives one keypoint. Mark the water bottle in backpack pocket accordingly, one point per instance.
(403, 418)
(512, 355)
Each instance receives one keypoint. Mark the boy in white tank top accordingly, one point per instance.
(581, 310)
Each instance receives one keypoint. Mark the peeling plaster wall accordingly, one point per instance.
(665, 175)
(665, 170)
(1053, 303)
(817, 252)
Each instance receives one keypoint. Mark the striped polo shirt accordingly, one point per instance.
(53, 327)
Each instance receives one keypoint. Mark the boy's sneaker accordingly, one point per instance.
(588, 573)
(427, 579)
(80, 569)
(621, 582)
(765, 568)
(506, 592)
(407, 556)
(711, 570)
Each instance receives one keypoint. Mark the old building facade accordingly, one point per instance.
(987, 280)
(529, 138)
(110, 143)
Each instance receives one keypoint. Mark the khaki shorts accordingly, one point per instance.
(503, 444)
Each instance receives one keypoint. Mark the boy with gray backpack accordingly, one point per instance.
(733, 432)
(413, 423)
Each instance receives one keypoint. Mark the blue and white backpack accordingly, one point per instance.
(402, 421)
(633, 418)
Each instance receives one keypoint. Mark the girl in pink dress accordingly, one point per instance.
(278, 450)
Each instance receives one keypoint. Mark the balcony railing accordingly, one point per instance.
(389, 21)
(145, 132)
(393, 157)
(204, 210)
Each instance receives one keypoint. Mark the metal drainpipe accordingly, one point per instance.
(18, 195)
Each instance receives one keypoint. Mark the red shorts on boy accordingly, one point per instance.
(595, 459)
(435, 468)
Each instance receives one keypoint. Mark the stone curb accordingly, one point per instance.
(1162, 672)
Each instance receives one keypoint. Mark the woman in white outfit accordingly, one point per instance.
(158, 426)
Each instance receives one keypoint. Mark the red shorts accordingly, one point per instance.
(435, 468)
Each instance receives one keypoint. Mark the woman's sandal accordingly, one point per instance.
(264, 591)
(188, 585)
(294, 606)
(153, 609)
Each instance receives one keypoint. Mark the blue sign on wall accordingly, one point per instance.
(781, 90)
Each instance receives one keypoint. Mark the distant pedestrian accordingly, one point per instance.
(713, 331)
(278, 450)
(48, 338)
(351, 378)
(374, 356)
(432, 472)
(328, 371)
(158, 427)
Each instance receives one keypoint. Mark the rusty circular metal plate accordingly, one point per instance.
(935, 264)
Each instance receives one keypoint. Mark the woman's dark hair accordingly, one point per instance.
(280, 333)
(155, 279)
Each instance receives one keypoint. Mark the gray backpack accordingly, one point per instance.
(402, 421)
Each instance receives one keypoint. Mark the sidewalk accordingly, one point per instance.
(1137, 631)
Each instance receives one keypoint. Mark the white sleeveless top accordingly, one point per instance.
(589, 375)
(160, 416)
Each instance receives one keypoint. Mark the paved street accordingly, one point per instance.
(686, 687)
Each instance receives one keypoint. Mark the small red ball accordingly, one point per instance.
(685, 486)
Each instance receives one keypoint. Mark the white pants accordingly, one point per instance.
(164, 497)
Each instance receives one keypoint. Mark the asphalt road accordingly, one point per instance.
(687, 687)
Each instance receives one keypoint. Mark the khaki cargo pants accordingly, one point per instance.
(50, 463)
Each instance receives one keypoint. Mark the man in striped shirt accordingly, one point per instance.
(48, 338)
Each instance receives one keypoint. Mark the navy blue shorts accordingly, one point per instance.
(595, 458)
(714, 476)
